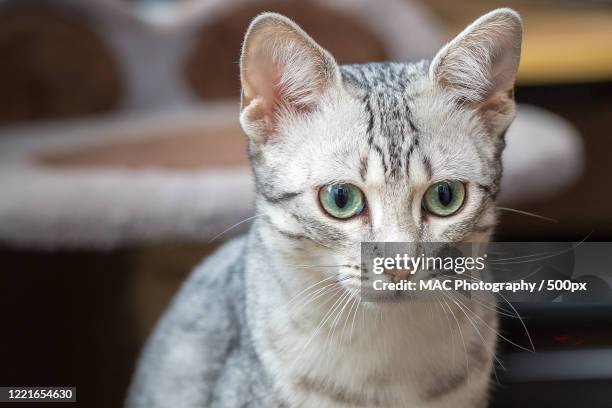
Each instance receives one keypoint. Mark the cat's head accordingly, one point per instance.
(381, 151)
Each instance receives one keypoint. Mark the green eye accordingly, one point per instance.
(444, 198)
(342, 200)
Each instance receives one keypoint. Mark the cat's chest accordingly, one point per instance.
(316, 355)
(340, 367)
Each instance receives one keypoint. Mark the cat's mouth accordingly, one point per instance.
(353, 277)
(352, 283)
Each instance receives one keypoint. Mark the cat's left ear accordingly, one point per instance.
(479, 66)
(283, 72)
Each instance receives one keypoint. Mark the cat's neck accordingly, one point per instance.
(306, 326)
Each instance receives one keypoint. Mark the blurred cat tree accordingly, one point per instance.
(89, 183)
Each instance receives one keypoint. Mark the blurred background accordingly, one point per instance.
(122, 164)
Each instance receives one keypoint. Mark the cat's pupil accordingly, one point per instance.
(341, 196)
(445, 194)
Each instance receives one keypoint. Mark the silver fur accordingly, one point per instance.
(275, 319)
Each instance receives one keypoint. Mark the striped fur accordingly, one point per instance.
(250, 328)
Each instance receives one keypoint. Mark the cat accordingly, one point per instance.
(342, 155)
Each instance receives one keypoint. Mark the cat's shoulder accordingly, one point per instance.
(218, 268)
(190, 343)
(213, 293)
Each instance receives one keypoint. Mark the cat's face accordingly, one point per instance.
(376, 152)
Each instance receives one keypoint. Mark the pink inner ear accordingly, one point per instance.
(282, 97)
(288, 92)
(281, 89)
(269, 86)
(264, 80)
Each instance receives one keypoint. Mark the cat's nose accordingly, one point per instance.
(398, 274)
(397, 236)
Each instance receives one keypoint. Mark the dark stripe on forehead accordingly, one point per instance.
(397, 131)
(413, 128)
(408, 155)
(392, 76)
(363, 168)
(370, 114)
(427, 166)
(391, 130)
(413, 146)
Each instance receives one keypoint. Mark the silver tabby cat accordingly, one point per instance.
(341, 155)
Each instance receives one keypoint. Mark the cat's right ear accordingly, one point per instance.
(283, 72)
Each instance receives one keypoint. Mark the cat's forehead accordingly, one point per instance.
(389, 126)
(390, 94)
(405, 122)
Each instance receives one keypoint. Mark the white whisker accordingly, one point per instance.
(234, 226)
(514, 210)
